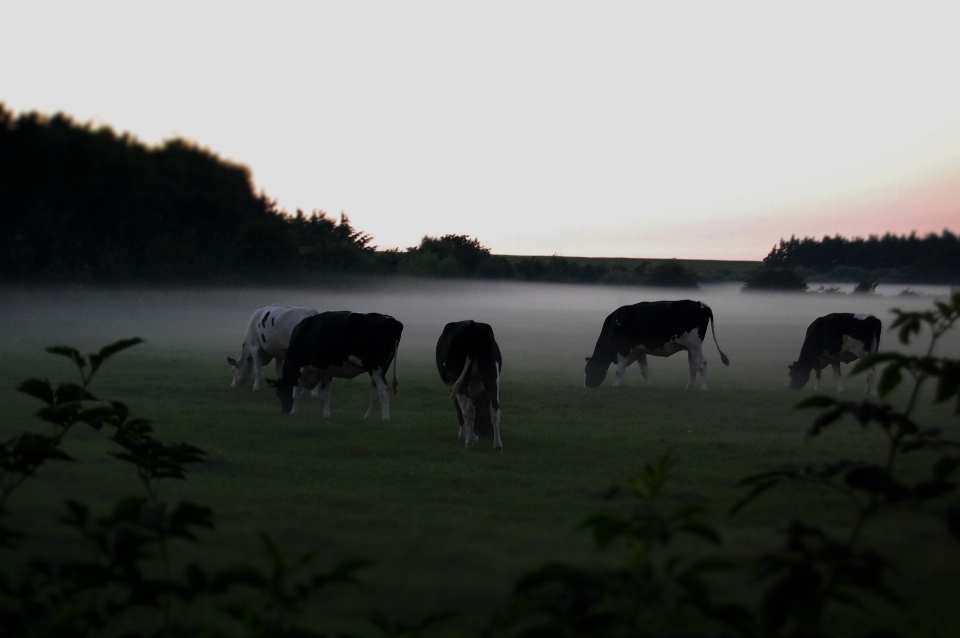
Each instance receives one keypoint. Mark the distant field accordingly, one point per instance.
(448, 527)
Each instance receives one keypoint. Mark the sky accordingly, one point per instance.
(700, 130)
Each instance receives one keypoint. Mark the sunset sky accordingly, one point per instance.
(639, 129)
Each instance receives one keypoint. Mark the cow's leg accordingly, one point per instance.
(383, 390)
(257, 365)
(456, 404)
(703, 372)
(693, 366)
(644, 368)
(297, 390)
(836, 376)
(816, 386)
(469, 415)
(872, 381)
(622, 363)
(374, 397)
(324, 395)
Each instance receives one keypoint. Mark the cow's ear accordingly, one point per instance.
(272, 383)
(587, 359)
(232, 361)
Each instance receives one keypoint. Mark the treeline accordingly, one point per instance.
(933, 258)
(79, 203)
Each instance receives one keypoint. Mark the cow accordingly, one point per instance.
(344, 345)
(268, 335)
(658, 328)
(469, 362)
(833, 339)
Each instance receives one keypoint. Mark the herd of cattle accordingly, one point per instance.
(312, 348)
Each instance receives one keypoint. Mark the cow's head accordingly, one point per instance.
(799, 375)
(241, 369)
(594, 373)
(284, 391)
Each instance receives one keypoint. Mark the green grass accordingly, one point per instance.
(450, 528)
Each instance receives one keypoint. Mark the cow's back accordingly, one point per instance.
(654, 323)
(462, 339)
(329, 338)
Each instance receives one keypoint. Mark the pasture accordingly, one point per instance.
(446, 527)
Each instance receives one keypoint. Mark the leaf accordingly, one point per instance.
(889, 380)
(39, 389)
(702, 530)
(96, 360)
(67, 392)
(949, 383)
(867, 362)
(186, 515)
(77, 516)
(876, 480)
(909, 324)
(825, 419)
(757, 490)
(70, 353)
(945, 467)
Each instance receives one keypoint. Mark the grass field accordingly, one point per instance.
(448, 527)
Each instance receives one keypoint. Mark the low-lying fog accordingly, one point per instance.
(538, 326)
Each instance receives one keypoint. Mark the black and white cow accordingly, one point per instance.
(267, 338)
(343, 345)
(469, 362)
(657, 328)
(837, 338)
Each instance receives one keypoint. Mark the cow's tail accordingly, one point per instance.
(395, 384)
(456, 384)
(713, 322)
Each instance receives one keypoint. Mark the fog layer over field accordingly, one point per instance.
(540, 327)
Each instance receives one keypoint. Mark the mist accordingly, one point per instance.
(541, 328)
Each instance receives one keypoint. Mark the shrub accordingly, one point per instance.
(775, 279)
(866, 287)
(670, 273)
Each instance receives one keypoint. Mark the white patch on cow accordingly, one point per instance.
(703, 305)
(862, 316)
(266, 340)
(850, 350)
(354, 360)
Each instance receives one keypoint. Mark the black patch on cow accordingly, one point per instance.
(263, 337)
(328, 339)
(273, 321)
(825, 337)
(249, 359)
(651, 324)
(263, 324)
(473, 339)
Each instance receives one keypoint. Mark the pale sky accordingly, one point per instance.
(638, 129)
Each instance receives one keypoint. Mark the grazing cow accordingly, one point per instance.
(469, 362)
(658, 328)
(268, 335)
(837, 338)
(343, 345)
